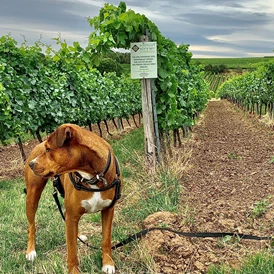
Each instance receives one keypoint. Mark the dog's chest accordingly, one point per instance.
(95, 203)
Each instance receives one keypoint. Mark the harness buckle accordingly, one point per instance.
(78, 178)
(104, 181)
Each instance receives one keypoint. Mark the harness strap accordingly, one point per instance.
(116, 183)
(58, 187)
(98, 177)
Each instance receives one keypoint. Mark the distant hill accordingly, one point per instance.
(234, 63)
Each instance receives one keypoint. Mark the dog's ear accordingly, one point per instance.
(63, 134)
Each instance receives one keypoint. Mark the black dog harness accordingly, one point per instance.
(83, 184)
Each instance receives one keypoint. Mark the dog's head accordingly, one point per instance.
(64, 151)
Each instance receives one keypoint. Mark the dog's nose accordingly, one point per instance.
(31, 164)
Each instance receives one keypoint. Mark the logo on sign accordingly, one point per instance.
(135, 48)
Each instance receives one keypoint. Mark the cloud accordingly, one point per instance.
(229, 27)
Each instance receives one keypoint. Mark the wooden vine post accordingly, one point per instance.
(150, 139)
(148, 122)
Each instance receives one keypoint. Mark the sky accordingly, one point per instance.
(211, 28)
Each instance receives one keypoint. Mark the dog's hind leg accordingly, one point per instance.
(35, 186)
(107, 262)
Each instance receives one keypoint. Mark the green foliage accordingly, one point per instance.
(216, 68)
(250, 88)
(180, 88)
(119, 57)
(260, 208)
(117, 28)
(39, 92)
(109, 65)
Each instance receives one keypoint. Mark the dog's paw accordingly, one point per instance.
(109, 269)
(83, 238)
(31, 256)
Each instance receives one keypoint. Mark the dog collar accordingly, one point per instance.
(81, 183)
(116, 183)
(97, 178)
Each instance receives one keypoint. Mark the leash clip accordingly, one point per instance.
(103, 180)
(54, 191)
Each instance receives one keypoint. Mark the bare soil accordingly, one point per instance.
(230, 171)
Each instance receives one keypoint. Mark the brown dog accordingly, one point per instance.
(90, 178)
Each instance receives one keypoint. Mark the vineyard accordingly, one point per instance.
(38, 92)
(216, 80)
(247, 63)
(218, 179)
(42, 88)
(253, 92)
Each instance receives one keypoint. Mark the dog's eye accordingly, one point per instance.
(47, 149)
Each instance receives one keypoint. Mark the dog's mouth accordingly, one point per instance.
(41, 172)
(50, 174)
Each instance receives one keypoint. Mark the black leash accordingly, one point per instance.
(142, 233)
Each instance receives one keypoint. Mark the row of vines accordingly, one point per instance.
(215, 80)
(253, 91)
(41, 88)
(38, 92)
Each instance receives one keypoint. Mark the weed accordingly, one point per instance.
(272, 160)
(260, 208)
(233, 155)
(227, 240)
(190, 216)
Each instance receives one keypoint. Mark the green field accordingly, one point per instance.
(233, 63)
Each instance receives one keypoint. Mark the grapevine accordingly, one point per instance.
(253, 91)
(39, 92)
(42, 88)
(180, 88)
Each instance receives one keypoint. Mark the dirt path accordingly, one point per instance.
(230, 172)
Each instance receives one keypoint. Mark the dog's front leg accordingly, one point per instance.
(107, 262)
(72, 221)
(35, 186)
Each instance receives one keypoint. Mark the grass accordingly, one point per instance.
(143, 194)
(233, 155)
(261, 263)
(14, 231)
